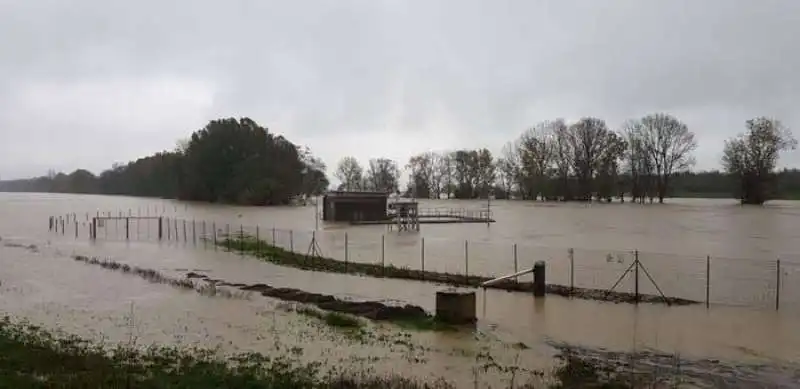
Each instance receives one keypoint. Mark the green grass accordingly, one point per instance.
(333, 319)
(33, 358)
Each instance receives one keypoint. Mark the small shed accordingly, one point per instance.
(342, 206)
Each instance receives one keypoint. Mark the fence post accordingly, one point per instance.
(466, 260)
(205, 237)
(291, 240)
(127, 228)
(258, 240)
(778, 284)
(214, 227)
(636, 276)
(383, 255)
(76, 229)
(93, 233)
(708, 281)
(177, 237)
(160, 228)
(273, 236)
(422, 256)
(194, 233)
(346, 251)
(571, 271)
(516, 262)
(228, 236)
(184, 231)
(241, 238)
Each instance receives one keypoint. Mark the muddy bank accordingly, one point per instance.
(651, 368)
(279, 256)
(369, 309)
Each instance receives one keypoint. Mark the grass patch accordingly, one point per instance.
(34, 358)
(426, 324)
(333, 319)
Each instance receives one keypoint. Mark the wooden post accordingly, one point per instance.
(571, 271)
(76, 229)
(273, 237)
(94, 228)
(258, 240)
(346, 253)
(516, 262)
(184, 231)
(228, 236)
(291, 240)
(205, 237)
(127, 228)
(539, 279)
(169, 229)
(214, 227)
(194, 233)
(160, 228)
(177, 237)
(241, 238)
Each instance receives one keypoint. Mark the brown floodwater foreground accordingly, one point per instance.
(47, 286)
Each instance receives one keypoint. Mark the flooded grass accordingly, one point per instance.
(36, 358)
(338, 312)
(279, 256)
(333, 319)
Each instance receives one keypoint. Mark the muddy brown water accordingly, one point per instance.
(673, 240)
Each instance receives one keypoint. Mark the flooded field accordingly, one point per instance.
(743, 344)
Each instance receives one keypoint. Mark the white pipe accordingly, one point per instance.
(503, 278)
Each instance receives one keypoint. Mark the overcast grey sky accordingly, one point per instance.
(86, 83)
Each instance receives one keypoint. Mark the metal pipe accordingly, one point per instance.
(503, 278)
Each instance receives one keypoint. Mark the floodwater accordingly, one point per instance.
(672, 241)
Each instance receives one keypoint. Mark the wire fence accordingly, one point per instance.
(707, 279)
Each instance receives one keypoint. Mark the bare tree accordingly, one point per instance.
(536, 151)
(753, 156)
(445, 172)
(588, 136)
(669, 145)
(422, 171)
(383, 175)
(350, 173)
(508, 166)
(563, 157)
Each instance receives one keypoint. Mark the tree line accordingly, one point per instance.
(648, 159)
(227, 161)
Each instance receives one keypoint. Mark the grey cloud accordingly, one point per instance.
(88, 83)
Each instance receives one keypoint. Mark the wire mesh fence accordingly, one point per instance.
(707, 279)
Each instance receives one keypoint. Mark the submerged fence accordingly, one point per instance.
(765, 282)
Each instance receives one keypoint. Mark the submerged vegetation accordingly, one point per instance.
(410, 316)
(279, 256)
(36, 358)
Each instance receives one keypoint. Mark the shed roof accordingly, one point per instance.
(341, 193)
